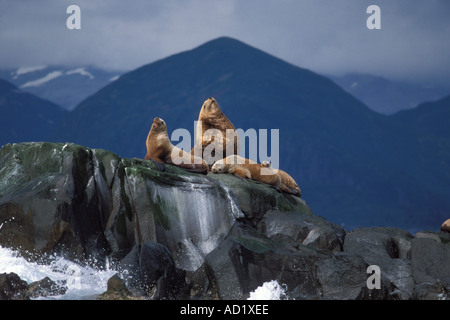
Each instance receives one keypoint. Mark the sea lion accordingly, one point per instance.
(288, 183)
(248, 169)
(214, 133)
(220, 165)
(161, 150)
(446, 226)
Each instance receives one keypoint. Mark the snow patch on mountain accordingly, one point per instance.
(24, 70)
(41, 81)
(81, 71)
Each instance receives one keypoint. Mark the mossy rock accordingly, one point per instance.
(256, 198)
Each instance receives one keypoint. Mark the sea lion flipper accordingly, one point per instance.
(196, 170)
(241, 173)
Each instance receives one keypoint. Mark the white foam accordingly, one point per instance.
(271, 290)
(83, 282)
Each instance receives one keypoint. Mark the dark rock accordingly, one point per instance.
(45, 287)
(430, 259)
(344, 277)
(150, 268)
(117, 290)
(12, 287)
(388, 248)
(80, 203)
(50, 191)
(382, 242)
(304, 228)
(246, 259)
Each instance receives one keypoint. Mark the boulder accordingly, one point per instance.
(344, 277)
(49, 194)
(117, 290)
(382, 242)
(246, 259)
(430, 259)
(304, 228)
(45, 287)
(84, 203)
(12, 287)
(150, 268)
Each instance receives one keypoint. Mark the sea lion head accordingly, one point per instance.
(265, 164)
(210, 108)
(159, 125)
(218, 167)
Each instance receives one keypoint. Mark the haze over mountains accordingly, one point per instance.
(355, 166)
(388, 96)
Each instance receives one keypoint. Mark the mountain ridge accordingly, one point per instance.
(24, 116)
(63, 85)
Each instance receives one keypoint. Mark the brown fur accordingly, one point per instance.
(211, 117)
(248, 170)
(160, 149)
(288, 183)
(233, 159)
(446, 226)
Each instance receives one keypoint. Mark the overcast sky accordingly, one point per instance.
(326, 36)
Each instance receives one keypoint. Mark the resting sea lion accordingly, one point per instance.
(288, 183)
(209, 144)
(161, 150)
(248, 170)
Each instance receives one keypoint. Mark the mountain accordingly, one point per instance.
(355, 166)
(65, 86)
(25, 117)
(429, 124)
(387, 96)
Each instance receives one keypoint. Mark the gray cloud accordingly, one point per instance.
(326, 36)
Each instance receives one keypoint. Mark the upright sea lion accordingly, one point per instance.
(248, 169)
(446, 226)
(161, 150)
(212, 138)
(288, 183)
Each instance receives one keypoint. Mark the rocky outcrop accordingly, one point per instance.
(14, 288)
(178, 235)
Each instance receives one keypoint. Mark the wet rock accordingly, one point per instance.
(382, 242)
(48, 194)
(80, 202)
(150, 269)
(246, 259)
(430, 259)
(117, 290)
(344, 277)
(304, 228)
(45, 287)
(256, 198)
(188, 213)
(12, 287)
